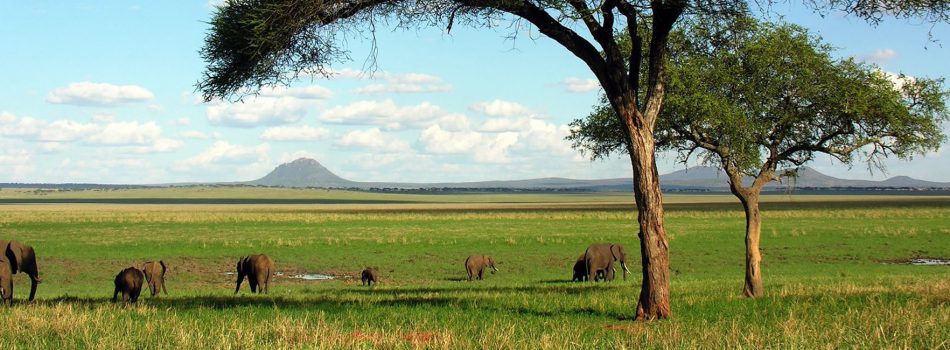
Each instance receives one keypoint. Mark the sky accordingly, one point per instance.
(103, 92)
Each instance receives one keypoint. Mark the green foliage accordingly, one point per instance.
(759, 96)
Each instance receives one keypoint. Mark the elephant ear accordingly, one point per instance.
(15, 253)
(616, 251)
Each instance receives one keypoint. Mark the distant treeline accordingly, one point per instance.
(71, 186)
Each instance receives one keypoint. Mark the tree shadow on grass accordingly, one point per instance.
(457, 299)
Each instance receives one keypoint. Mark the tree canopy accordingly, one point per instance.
(757, 96)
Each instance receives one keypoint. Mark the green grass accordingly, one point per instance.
(826, 285)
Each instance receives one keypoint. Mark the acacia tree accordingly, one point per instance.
(760, 100)
(253, 43)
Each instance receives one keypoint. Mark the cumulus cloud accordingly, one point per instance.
(294, 133)
(98, 94)
(223, 152)
(400, 83)
(499, 108)
(880, 56)
(482, 147)
(127, 133)
(147, 137)
(374, 140)
(273, 106)
(577, 85)
(391, 116)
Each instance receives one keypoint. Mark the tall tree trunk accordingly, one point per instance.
(654, 302)
(753, 229)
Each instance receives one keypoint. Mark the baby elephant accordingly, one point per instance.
(155, 275)
(258, 269)
(475, 266)
(129, 283)
(370, 276)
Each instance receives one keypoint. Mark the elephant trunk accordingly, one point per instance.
(625, 269)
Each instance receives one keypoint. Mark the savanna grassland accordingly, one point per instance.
(831, 267)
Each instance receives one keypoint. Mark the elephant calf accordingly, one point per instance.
(475, 266)
(580, 271)
(258, 269)
(155, 275)
(369, 276)
(129, 283)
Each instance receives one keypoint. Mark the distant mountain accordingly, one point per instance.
(305, 172)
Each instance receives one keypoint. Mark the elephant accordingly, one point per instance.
(155, 276)
(475, 266)
(580, 271)
(258, 269)
(15, 258)
(369, 276)
(601, 256)
(129, 283)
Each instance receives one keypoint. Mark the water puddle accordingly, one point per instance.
(311, 277)
(921, 262)
(300, 276)
(928, 262)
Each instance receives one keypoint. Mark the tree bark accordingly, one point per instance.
(654, 302)
(753, 229)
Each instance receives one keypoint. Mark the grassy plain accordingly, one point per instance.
(831, 280)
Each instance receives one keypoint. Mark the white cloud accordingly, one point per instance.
(400, 83)
(483, 148)
(6, 117)
(181, 122)
(373, 139)
(577, 85)
(127, 133)
(223, 152)
(98, 94)
(16, 164)
(258, 111)
(880, 56)
(294, 133)
(273, 106)
(897, 79)
(388, 115)
(500, 108)
(53, 135)
(312, 92)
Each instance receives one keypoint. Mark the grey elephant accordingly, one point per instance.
(155, 276)
(475, 266)
(129, 283)
(257, 269)
(15, 258)
(369, 276)
(601, 256)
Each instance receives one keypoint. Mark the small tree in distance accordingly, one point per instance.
(760, 100)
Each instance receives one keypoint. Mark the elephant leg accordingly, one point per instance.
(115, 295)
(481, 274)
(240, 280)
(267, 284)
(470, 274)
(591, 272)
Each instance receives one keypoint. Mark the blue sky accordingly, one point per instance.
(104, 92)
